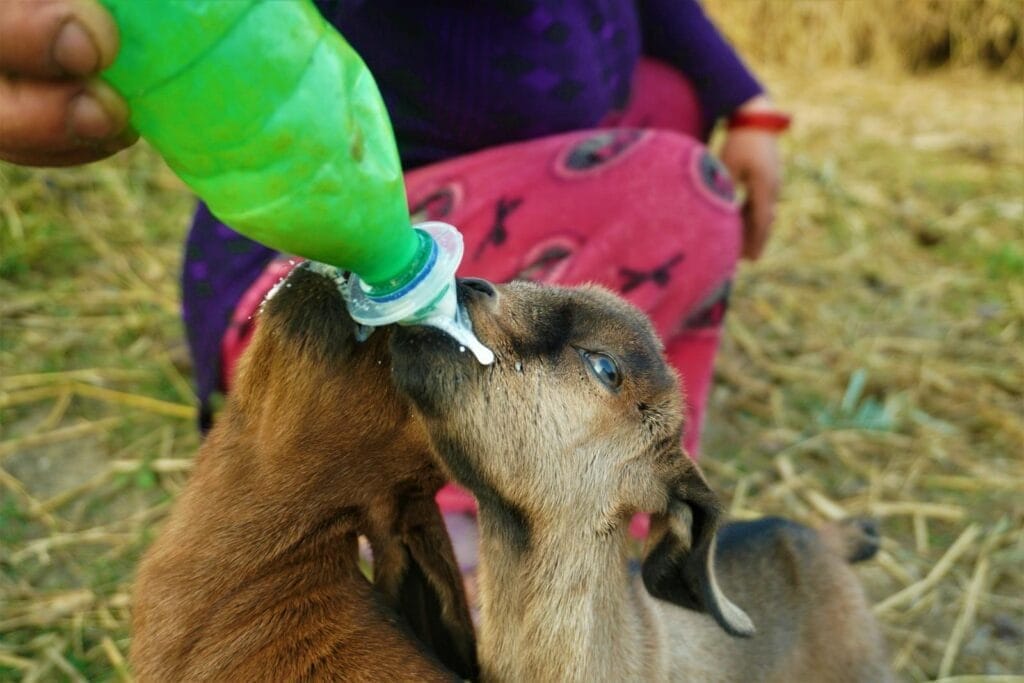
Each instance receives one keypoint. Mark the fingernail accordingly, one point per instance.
(74, 50)
(88, 119)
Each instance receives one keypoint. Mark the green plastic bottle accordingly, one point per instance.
(265, 111)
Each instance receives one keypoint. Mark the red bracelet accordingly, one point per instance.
(770, 121)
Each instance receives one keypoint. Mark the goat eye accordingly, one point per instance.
(604, 368)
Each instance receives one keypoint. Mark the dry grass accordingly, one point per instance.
(914, 35)
(96, 416)
(874, 364)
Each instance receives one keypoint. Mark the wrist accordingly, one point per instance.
(759, 102)
(759, 113)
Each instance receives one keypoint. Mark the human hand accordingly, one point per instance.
(752, 157)
(54, 111)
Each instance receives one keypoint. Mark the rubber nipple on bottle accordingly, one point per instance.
(428, 298)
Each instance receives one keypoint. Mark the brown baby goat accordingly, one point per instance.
(255, 575)
(574, 429)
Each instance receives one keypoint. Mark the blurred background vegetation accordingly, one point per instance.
(915, 36)
(874, 360)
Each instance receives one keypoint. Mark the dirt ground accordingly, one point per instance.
(873, 364)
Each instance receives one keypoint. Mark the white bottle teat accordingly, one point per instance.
(429, 298)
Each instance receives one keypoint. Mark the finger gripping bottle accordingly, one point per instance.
(265, 111)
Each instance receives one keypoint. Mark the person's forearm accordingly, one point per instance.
(678, 32)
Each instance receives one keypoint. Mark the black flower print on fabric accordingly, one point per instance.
(599, 149)
(435, 206)
(711, 311)
(660, 275)
(498, 233)
(713, 179)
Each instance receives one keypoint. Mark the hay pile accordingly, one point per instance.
(874, 365)
(912, 35)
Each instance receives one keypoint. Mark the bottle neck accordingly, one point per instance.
(408, 277)
(423, 287)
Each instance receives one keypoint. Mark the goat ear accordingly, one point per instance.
(679, 563)
(431, 594)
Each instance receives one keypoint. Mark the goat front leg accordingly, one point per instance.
(416, 573)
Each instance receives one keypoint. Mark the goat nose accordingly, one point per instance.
(479, 285)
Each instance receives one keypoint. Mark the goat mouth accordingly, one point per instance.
(431, 368)
(429, 354)
(425, 356)
(420, 339)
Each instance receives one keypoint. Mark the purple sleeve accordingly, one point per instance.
(220, 265)
(678, 32)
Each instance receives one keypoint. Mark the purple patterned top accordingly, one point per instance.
(462, 75)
